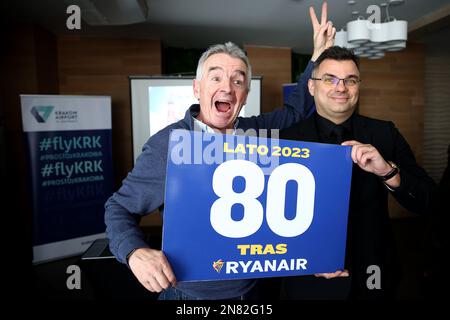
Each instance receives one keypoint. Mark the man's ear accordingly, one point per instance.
(311, 87)
(196, 89)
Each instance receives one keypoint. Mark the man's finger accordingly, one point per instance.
(329, 28)
(167, 270)
(333, 33)
(337, 274)
(366, 153)
(368, 156)
(162, 280)
(154, 284)
(341, 274)
(323, 29)
(350, 143)
(360, 152)
(321, 275)
(354, 153)
(327, 275)
(323, 18)
(314, 21)
(147, 285)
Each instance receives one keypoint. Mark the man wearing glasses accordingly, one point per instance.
(383, 164)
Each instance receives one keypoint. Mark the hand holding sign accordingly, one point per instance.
(331, 275)
(152, 269)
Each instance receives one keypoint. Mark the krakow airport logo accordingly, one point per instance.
(41, 113)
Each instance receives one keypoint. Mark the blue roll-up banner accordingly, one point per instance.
(69, 146)
(246, 207)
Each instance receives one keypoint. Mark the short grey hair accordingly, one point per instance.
(230, 49)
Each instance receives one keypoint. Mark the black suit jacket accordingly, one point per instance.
(369, 238)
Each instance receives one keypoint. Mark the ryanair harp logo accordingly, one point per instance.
(217, 265)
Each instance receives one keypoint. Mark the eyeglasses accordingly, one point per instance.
(332, 80)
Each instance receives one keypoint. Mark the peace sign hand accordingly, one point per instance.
(324, 32)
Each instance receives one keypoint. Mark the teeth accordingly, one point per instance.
(225, 106)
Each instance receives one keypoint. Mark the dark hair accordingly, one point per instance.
(336, 53)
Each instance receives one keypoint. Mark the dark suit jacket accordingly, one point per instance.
(369, 239)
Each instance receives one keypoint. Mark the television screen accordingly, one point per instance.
(159, 101)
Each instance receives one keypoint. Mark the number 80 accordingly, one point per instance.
(222, 183)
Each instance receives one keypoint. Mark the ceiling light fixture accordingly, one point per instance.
(371, 39)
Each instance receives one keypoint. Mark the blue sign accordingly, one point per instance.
(69, 147)
(245, 207)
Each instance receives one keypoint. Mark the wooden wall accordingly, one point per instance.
(274, 65)
(101, 66)
(393, 88)
(28, 65)
(437, 111)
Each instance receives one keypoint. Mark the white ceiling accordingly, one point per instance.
(200, 23)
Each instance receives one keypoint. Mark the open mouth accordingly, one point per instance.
(222, 106)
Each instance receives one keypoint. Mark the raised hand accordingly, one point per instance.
(323, 32)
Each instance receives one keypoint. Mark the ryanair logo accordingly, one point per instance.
(260, 265)
(217, 265)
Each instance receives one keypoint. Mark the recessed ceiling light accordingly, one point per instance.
(351, 2)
